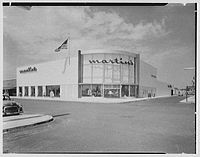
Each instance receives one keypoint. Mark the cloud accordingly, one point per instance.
(42, 25)
(111, 26)
(46, 27)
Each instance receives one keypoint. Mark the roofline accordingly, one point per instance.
(108, 51)
(9, 79)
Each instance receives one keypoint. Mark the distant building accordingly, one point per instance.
(94, 73)
(9, 87)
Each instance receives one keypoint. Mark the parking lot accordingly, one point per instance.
(159, 126)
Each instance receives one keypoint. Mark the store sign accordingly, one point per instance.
(29, 69)
(113, 61)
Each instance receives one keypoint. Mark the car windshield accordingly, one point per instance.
(5, 97)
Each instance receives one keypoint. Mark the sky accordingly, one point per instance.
(164, 36)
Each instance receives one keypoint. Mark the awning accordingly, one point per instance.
(9, 84)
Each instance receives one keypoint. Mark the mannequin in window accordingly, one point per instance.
(51, 94)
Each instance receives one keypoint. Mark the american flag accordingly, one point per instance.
(63, 46)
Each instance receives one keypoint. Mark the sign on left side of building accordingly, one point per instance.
(29, 69)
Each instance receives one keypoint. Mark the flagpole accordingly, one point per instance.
(69, 48)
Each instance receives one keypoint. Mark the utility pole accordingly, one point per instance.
(193, 82)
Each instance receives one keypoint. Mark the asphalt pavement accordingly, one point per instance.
(162, 125)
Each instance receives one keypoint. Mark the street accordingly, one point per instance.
(160, 125)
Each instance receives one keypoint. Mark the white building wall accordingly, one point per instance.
(162, 89)
(60, 72)
(147, 80)
(149, 83)
(70, 91)
(146, 72)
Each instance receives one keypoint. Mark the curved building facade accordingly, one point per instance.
(107, 73)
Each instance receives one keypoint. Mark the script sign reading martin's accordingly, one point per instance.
(117, 61)
(29, 69)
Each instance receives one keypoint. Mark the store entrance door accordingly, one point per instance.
(125, 91)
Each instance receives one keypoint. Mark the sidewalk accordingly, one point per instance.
(114, 100)
(22, 120)
(189, 100)
(94, 99)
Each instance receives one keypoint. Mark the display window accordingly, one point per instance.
(86, 90)
(92, 90)
(109, 90)
(25, 91)
(125, 91)
(32, 91)
(112, 91)
(97, 90)
(40, 91)
(132, 91)
(53, 91)
(20, 91)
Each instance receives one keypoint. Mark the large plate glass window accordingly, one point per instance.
(132, 91)
(32, 90)
(125, 73)
(108, 73)
(87, 70)
(125, 90)
(125, 69)
(20, 91)
(112, 91)
(97, 73)
(53, 91)
(40, 91)
(116, 73)
(25, 91)
(131, 71)
(86, 90)
(96, 90)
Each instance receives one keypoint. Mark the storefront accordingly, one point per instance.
(94, 73)
(110, 74)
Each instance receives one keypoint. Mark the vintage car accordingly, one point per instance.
(11, 107)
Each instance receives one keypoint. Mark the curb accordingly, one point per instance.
(50, 118)
(146, 99)
(95, 101)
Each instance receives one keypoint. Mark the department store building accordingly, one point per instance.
(93, 73)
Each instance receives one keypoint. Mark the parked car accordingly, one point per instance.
(11, 107)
